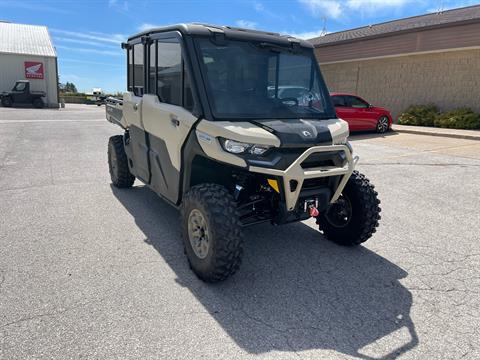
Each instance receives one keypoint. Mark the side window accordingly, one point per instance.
(130, 69)
(188, 102)
(169, 71)
(138, 65)
(20, 86)
(152, 68)
(338, 101)
(356, 102)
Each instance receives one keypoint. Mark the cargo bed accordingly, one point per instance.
(114, 111)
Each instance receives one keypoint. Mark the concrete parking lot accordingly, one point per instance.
(90, 271)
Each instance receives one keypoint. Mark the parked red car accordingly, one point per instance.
(359, 114)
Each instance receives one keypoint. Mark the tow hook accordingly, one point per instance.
(311, 205)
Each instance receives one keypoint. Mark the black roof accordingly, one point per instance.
(439, 19)
(228, 31)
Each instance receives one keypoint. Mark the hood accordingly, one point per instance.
(381, 109)
(301, 132)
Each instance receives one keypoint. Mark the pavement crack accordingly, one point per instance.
(47, 314)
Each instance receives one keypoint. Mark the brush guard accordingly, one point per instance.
(296, 173)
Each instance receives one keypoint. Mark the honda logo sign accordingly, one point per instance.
(33, 70)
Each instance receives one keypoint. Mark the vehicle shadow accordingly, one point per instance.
(361, 135)
(294, 291)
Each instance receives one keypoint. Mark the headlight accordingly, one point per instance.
(236, 147)
(341, 141)
(344, 141)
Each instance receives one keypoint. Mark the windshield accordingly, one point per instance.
(246, 80)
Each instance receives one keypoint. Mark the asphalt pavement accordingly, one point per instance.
(88, 271)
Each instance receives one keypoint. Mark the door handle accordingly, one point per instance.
(174, 120)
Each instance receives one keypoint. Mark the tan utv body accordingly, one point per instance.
(236, 127)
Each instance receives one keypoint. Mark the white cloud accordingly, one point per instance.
(335, 8)
(246, 24)
(449, 5)
(321, 8)
(81, 61)
(96, 36)
(93, 51)
(83, 42)
(307, 34)
(369, 5)
(118, 5)
(147, 26)
(258, 7)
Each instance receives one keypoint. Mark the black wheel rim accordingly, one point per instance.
(339, 214)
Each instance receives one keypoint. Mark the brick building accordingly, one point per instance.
(433, 58)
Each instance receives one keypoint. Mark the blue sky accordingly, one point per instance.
(87, 33)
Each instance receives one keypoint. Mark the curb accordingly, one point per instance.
(434, 133)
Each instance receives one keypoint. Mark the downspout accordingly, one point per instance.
(58, 90)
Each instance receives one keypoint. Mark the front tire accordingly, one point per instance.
(382, 125)
(354, 217)
(7, 102)
(211, 232)
(118, 163)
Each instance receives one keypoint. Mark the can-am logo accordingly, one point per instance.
(307, 133)
(33, 70)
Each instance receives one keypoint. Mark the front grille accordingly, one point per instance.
(314, 183)
(332, 158)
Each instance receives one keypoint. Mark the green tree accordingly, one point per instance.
(70, 87)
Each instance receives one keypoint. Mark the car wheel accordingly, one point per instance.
(6, 102)
(38, 103)
(382, 125)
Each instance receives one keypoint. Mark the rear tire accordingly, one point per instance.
(38, 103)
(7, 102)
(211, 232)
(118, 163)
(354, 218)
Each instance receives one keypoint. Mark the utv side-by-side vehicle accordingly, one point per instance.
(22, 95)
(236, 127)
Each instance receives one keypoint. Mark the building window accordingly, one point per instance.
(138, 65)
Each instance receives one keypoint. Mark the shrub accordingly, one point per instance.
(463, 118)
(422, 115)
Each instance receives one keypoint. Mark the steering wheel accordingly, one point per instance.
(289, 101)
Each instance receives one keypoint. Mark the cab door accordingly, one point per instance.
(137, 146)
(167, 113)
(21, 92)
(345, 112)
(361, 112)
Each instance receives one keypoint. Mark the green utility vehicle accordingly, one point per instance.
(22, 95)
(236, 127)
